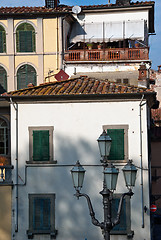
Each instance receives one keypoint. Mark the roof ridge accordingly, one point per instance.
(80, 85)
(42, 85)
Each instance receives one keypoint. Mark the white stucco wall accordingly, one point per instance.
(77, 126)
(75, 68)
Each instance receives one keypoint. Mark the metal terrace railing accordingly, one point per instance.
(5, 174)
(107, 54)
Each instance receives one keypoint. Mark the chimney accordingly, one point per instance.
(143, 79)
(30, 85)
(123, 2)
(159, 68)
(51, 3)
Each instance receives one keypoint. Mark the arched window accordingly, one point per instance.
(3, 137)
(3, 80)
(25, 38)
(26, 74)
(2, 39)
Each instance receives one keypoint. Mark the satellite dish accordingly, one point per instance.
(76, 9)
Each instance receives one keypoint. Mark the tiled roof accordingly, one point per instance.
(142, 3)
(30, 10)
(78, 86)
(62, 8)
(156, 114)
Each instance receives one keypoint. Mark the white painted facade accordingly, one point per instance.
(77, 68)
(77, 126)
(109, 25)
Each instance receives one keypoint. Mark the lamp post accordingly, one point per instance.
(109, 185)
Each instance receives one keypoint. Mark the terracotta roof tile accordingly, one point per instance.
(34, 10)
(62, 8)
(83, 85)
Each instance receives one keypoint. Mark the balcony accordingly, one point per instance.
(5, 175)
(107, 54)
(5, 171)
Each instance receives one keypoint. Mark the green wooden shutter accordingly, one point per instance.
(41, 145)
(31, 77)
(25, 41)
(122, 226)
(3, 80)
(41, 214)
(26, 74)
(29, 41)
(22, 41)
(117, 146)
(46, 213)
(1, 42)
(21, 80)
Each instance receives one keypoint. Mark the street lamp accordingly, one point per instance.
(109, 185)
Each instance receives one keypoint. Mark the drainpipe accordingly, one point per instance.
(141, 163)
(62, 45)
(15, 105)
(57, 45)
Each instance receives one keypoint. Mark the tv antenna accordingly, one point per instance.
(76, 9)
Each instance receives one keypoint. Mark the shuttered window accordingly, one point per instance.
(117, 146)
(25, 41)
(26, 74)
(41, 214)
(2, 40)
(3, 80)
(41, 145)
(25, 38)
(124, 227)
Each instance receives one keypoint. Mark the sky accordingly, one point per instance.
(154, 40)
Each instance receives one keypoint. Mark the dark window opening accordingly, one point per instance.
(3, 137)
(25, 38)
(2, 40)
(3, 80)
(125, 80)
(118, 80)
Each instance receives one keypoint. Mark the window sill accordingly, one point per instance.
(130, 234)
(52, 234)
(118, 161)
(25, 53)
(41, 162)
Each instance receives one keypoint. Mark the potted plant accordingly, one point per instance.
(89, 45)
(137, 45)
(99, 46)
(4, 161)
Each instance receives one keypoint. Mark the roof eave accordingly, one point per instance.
(114, 7)
(33, 14)
(149, 96)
